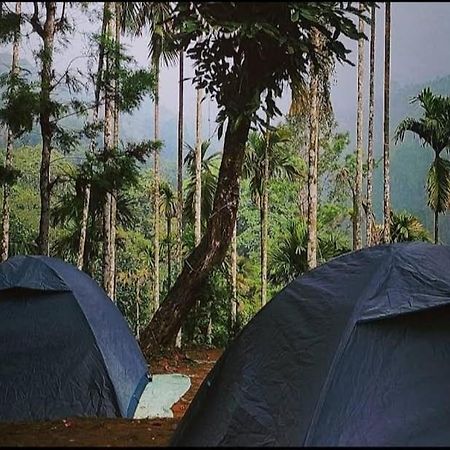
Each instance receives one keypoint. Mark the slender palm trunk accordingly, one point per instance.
(83, 230)
(180, 159)
(108, 148)
(357, 212)
(234, 302)
(113, 212)
(138, 301)
(180, 175)
(312, 163)
(169, 252)
(198, 168)
(48, 37)
(264, 218)
(386, 156)
(87, 191)
(156, 192)
(370, 162)
(9, 152)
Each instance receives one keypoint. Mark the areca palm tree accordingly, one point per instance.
(433, 130)
(370, 161)
(386, 155)
(97, 89)
(69, 211)
(209, 173)
(357, 206)
(270, 147)
(156, 16)
(9, 151)
(168, 204)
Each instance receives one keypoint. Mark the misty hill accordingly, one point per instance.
(410, 161)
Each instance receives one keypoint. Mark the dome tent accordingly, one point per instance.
(355, 352)
(65, 348)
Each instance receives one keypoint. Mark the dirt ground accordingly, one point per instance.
(91, 432)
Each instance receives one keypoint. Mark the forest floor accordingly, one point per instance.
(90, 432)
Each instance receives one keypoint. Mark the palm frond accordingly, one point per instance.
(438, 185)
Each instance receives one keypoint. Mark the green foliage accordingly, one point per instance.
(283, 161)
(134, 86)
(9, 26)
(432, 128)
(157, 17)
(24, 200)
(289, 258)
(9, 175)
(438, 185)
(241, 50)
(19, 104)
(243, 54)
(406, 228)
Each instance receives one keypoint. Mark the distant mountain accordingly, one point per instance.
(410, 161)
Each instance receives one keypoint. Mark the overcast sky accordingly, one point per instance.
(420, 52)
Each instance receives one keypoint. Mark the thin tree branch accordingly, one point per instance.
(34, 21)
(66, 72)
(59, 23)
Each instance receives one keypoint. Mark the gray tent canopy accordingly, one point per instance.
(355, 352)
(65, 348)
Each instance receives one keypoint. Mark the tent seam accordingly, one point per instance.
(348, 331)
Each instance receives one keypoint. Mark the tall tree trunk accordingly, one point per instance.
(312, 163)
(138, 300)
(180, 175)
(161, 331)
(9, 151)
(108, 148)
(357, 213)
(156, 192)
(234, 301)
(169, 252)
(386, 156)
(83, 230)
(436, 227)
(48, 36)
(180, 160)
(209, 328)
(198, 168)
(264, 217)
(87, 190)
(113, 212)
(369, 215)
(198, 195)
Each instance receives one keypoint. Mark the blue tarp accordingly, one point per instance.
(65, 348)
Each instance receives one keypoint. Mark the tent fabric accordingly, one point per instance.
(30, 273)
(53, 315)
(354, 352)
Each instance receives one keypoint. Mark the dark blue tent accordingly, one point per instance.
(353, 353)
(65, 348)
